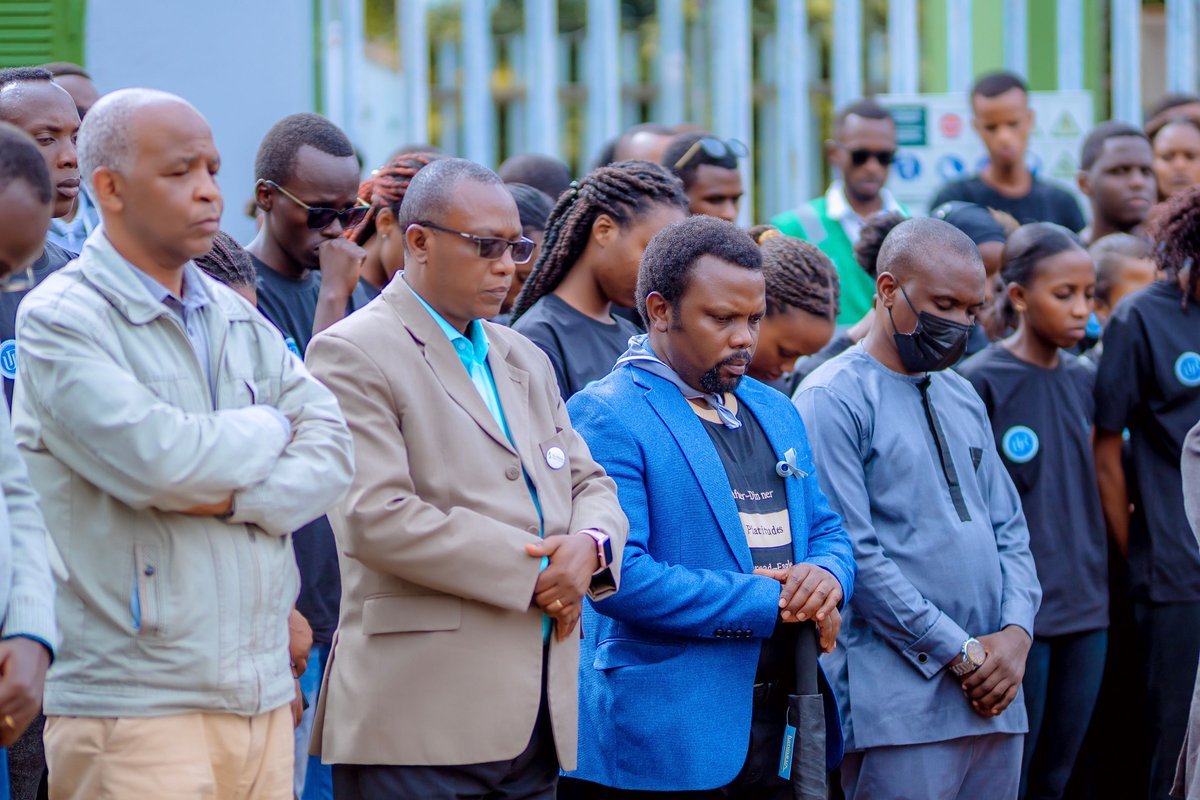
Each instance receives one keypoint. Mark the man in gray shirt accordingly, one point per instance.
(932, 649)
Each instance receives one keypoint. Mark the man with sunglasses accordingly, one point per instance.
(708, 167)
(308, 278)
(860, 152)
(475, 525)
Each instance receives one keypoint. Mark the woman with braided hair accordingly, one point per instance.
(589, 263)
(802, 304)
(384, 190)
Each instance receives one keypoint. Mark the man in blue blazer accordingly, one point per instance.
(684, 675)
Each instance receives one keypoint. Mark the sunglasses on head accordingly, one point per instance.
(861, 156)
(491, 248)
(714, 148)
(321, 218)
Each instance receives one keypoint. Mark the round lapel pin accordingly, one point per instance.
(555, 458)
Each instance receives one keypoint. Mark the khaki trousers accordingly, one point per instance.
(186, 756)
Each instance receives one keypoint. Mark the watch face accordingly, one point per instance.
(974, 652)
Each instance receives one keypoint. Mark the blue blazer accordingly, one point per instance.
(667, 664)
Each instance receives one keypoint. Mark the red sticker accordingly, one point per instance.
(951, 125)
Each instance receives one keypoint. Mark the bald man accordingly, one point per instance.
(932, 650)
(175, 443)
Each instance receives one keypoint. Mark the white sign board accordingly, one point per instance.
(938, 144)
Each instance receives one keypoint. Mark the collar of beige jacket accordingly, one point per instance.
(512, 382)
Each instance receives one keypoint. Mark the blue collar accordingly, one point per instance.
(473, 350)
(195, 294)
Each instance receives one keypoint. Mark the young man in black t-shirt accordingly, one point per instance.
(1003, 120)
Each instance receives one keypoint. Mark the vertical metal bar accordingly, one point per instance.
(414, 46)
(1181, 46)
(1016, 36)
(958, 45)
(1069, 45)
(847, 52)
(768, 166)
(792, 75)
(352, 51)
(541, 84)
(477, 112)
(447, 80)
(631, 111)
(603, 67)
(517, 108)
(903, 72)
(335, 89)
(732, 96)
(668, 104)
(698, 95)
(1126, 38)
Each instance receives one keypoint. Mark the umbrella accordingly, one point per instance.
(804, 758)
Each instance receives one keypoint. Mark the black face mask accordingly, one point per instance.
(935, 344)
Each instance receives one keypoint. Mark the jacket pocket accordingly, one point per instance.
(147, 604)
(409, 613)
(631, 653)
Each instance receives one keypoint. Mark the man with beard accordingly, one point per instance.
(861, 150)
(906, 455)
(730, 540)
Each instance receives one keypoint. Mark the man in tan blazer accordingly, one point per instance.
(476, 523)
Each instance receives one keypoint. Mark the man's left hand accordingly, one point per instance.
(809, 592)
(563, 583)
(23, 665)
(991, 688)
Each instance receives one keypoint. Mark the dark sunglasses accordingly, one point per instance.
(491, 248)
(862, 156)
(714, 148)
(321, 218)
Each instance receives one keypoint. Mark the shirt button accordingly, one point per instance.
(512, 473)
(922, 657)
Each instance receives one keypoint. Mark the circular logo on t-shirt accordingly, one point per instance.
(1187, 368)
(1020, 444)
(556, 458)
(8, 359)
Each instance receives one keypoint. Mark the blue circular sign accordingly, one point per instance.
(1187, 368)
(908, 167)
(950, 167)
(8, 359)
(1020, 444)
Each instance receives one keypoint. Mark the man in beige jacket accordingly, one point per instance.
(477, 521)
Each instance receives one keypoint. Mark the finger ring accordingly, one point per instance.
(556, 605)
(9, 721)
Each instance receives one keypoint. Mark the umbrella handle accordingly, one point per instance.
(808, 650)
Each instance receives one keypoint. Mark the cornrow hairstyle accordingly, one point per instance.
(1177, 234)
(798, 275)
(228, 262)
(623, 191)
(386, 188)
(870, 239)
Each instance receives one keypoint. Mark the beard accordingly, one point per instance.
(712, 382)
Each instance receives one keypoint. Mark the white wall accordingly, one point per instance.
(243, 63)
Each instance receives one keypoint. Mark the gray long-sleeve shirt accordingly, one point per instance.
(932, 571)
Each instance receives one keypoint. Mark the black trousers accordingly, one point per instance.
(533, 775)
(758, 780)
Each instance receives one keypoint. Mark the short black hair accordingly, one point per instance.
(541, 172)
(21, 160)
(910, 242)
(1171, 101)
(1093, 145)
(228, 262)
(432, 190)
(276, 157)
(1032, 244)
(11, 75)
(57, 68)
(671, 255)
(994, 84)
(972, 219)
(533, 205)
(608, 153)
(677, 148)
(865, 108)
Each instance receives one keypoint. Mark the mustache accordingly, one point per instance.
(741, 357)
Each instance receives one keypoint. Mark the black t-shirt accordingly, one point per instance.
(581, 349)
(1044, 203)
(761, 498)
(291, 306)
(1149, 383)
(52, 258)
(1042, 421)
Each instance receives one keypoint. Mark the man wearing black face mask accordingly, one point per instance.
(942, 616)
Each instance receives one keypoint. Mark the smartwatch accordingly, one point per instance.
(973, 655)
(603, 548)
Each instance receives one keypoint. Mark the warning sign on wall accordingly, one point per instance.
(937, 144)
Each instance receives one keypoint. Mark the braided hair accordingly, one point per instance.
(798, 275)
(1177, 234)
(228, 262)
(386, 187)
(623, 191)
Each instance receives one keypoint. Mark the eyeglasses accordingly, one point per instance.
(321, 218)
(491, 247)
(714, 148)
(861, 156)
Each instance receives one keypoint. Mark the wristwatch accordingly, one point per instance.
(973, 655)
(603, 548)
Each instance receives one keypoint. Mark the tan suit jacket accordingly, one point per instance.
(438, 654)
